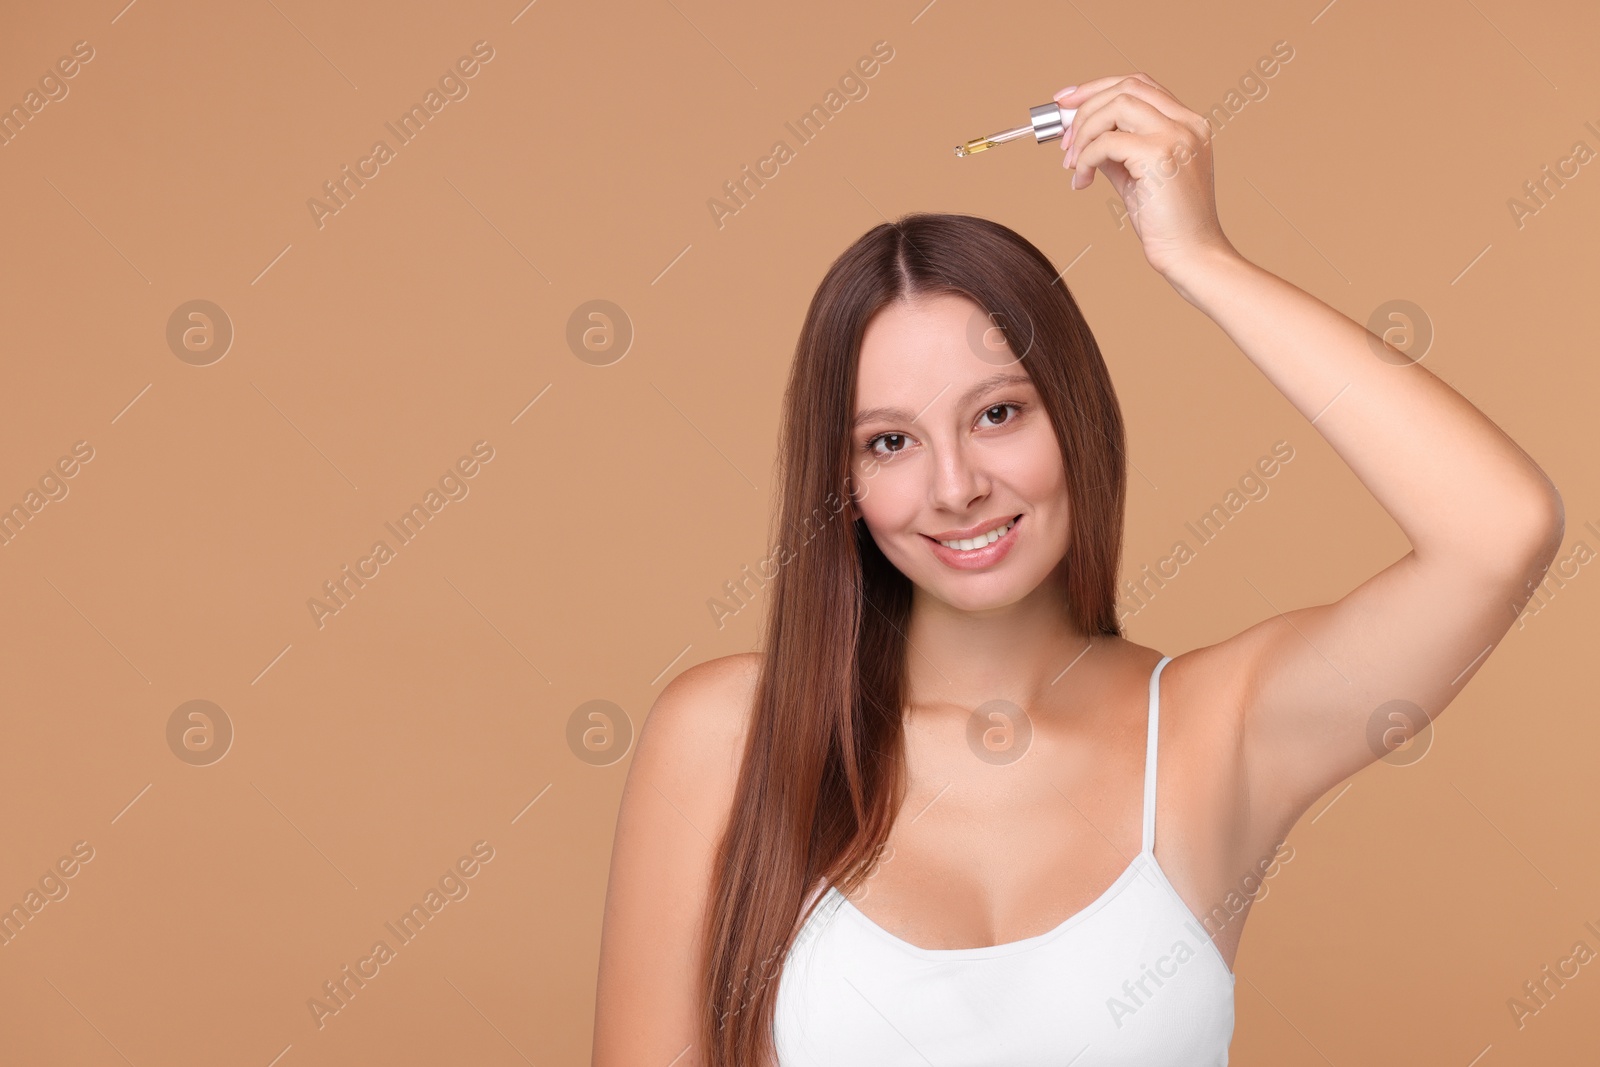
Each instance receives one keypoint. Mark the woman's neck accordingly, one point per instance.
(1018, 653)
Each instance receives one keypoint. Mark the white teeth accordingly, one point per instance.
(989, 538)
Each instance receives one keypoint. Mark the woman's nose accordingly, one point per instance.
(957, 481)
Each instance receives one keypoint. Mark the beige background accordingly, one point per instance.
(432, 711)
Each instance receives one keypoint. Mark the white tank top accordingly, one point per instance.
(1131, 979)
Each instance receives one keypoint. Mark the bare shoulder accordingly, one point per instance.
(692, 743)
(700, 719)
(675, 806)
(1200, 690)
(1206, 685)
(717, 685)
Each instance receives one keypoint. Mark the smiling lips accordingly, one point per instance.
(981, 548)
(976, 536)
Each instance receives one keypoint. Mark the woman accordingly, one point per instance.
(921, 827)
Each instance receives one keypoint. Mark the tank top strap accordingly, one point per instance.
(1152, 730)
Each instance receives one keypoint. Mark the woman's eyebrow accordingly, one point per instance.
(994, 381)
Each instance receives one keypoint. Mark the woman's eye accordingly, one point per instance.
(896, 442)
(872, 444)
(1001, 408)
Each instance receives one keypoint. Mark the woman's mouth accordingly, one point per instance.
(977, 552)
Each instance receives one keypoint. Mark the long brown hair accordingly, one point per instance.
(823, 769)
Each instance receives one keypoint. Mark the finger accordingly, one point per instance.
(1095, 85)
(1094, 95)
(1117, 175)
(1116, 146)
(1138, 144)
(1114, 171)
(1088, 88)
(1129, 89)
(1128, 113)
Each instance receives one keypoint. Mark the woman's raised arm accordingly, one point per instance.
(1483, 520)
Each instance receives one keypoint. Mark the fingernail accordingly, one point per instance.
(1065, 92)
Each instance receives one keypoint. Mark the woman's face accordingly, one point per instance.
(952, 441)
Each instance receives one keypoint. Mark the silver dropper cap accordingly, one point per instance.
(1046, 122)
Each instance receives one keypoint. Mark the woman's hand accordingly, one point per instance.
(1157, 155)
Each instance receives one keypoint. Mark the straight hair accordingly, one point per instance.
(823, 767)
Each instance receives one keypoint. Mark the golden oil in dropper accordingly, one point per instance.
(1046, 122)
(978, 145)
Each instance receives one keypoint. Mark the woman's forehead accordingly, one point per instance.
(939, 338)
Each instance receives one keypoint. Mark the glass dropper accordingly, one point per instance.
(1046, 123)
